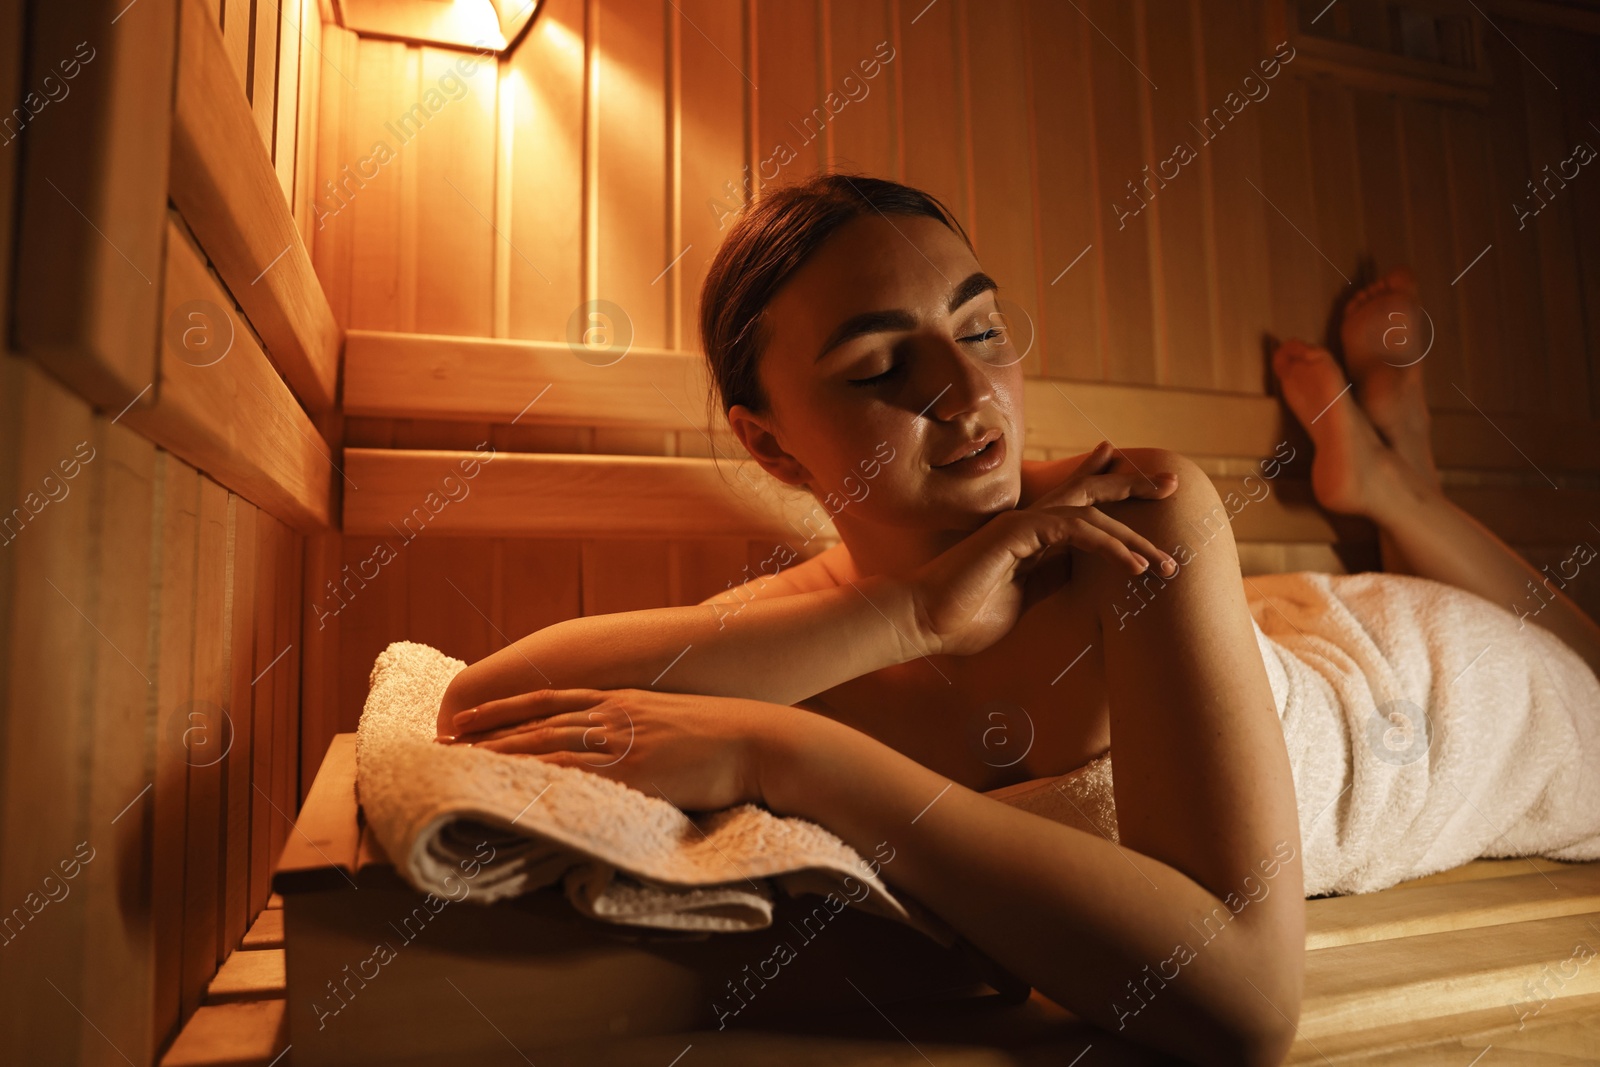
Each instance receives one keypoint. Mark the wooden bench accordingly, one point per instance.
(1494, 954)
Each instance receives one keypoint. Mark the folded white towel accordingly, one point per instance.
(621, 855)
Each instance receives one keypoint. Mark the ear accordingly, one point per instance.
(755, 432)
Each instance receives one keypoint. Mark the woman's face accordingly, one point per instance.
(888, 342)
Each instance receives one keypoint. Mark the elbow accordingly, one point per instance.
(459, 695)
(1265, 1023)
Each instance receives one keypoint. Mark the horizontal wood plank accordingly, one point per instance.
(1431, 909)
(246, 1034)
(406, 493)
(248, 975)
(398, 375)
(233, 418)
(1388, 982)
(266, 931)
(224, 184)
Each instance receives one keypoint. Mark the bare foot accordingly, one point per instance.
(1386, 333)
(1353, 472)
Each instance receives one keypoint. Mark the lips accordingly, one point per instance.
(963, 451)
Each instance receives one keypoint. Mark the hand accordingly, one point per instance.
(698, 752)
(970, 596)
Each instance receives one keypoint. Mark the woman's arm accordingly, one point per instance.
(1190, 936)
(780, 650)
(784, 649)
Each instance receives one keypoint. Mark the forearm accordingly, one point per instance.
(1441, 541)
(779, 649)
(1069, 912)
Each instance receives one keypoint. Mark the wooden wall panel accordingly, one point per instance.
(1554, 227)
(179, 495)
(454, 157)
(931, 68)
(1183, 246)
(1234, 46)
(1434, 255)
(1068, 317)
(264, 69)
(546, 88)
(1118, 89)
(864, 124)
(713, 184)
(792, 133)
(53, 601)
(634, 241)
(1004, 218)
(116, 884)
(237, 768)
(202, 739)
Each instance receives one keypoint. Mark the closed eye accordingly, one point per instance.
(976, 338)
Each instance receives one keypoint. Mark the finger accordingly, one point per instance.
(521, 707)
(584, 720)
(1120, 485)
(1135, 541)
(1085, 535)
(1094, 462)
(1137, 551)
(535, 740)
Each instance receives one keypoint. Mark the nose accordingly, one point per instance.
(960, 381)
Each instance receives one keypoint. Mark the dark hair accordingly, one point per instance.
(768, 243)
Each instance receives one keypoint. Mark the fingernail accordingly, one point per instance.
(1169, 566)
(464, 718)
(1144, 564)
(446, 739)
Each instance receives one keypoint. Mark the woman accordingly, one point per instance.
(857, 350)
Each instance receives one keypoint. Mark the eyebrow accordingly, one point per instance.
(899, 319)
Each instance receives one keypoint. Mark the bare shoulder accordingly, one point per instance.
(825, 570)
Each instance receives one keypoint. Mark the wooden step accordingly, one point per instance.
(248, 975)
(252, 1033)
(1452, 906)
(1378, 983)
(266, 931)
(1566, 1033)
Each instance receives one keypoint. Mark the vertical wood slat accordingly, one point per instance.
(234, 888)
(270, 535)
(1184, 278)
(547, 89)
(630, 152)
(332, 238)
(788, 87)
(369, 604)
(1230, 161)
(1578, 71)
(1003, 188)
(1490, 377)
(115, 884)
(237, 26)
(52, 602)
(864, 119)
(308, 27)
(180, 499)
(264, 69)
(287, 99)
(1436, 259)
(623, 575)
(936, 127)
(710, 155)
(1124, 249)
(1069, 314)
(319, 638)
(454, 154)
(1555, 226)
(199, 741)
(286, 694)
(1303, 281)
